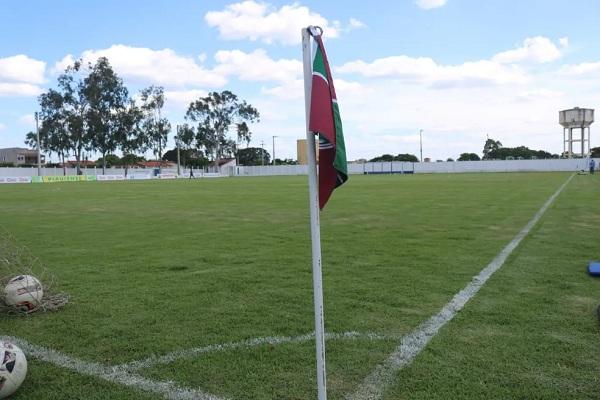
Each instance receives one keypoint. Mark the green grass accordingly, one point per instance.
(154, 267)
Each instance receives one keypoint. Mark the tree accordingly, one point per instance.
(214, 116)
(188, 157)
(286, 161)
(253, 156)
(108, 99)
(64, 113)
(129, 160)
(450, 159)
(468, 157)
(383, 158)
(595, 152)
(156, 127)
(521, 152)
(406, 158)
(490, 145)
(108, 161)
(400, 157)
(131, 138)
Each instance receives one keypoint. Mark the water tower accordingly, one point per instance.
(579, 119)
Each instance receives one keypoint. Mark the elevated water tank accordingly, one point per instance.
(580, 119)
(576, 117)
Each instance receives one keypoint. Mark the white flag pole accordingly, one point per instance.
(315, 230)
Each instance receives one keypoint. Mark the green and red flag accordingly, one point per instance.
(326, 122)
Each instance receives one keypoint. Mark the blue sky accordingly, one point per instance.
(458, 69)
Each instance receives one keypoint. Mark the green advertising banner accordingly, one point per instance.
(68, 178)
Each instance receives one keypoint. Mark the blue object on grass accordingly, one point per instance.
(594, 268)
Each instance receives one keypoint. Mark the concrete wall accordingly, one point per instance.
(14, 172)
(432, 167)
(368, 168)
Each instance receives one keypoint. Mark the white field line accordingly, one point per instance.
(123, 374)
(248, 343)
(167, 389)
(374, 385)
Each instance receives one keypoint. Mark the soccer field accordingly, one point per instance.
(203, 288)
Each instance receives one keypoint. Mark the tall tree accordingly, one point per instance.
(157, 128)
(468, 157)
(131, 138)
(107, 100)
(63, 115)
(490, 146)
(214, 116)
(253, 156)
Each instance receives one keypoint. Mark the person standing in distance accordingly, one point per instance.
(592, 166)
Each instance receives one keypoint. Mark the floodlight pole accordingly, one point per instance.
(274, 149)
(39, 157)
(315, 228)
(177, 143)
(421, 143)
(262, 153)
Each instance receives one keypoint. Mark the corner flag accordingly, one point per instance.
(325, 120)
(322, 118)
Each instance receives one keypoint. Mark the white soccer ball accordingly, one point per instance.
(23, 292)
(13, 368)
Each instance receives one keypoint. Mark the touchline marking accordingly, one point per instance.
(124, 374)
(248, 343)
(374, 385)
(168, 389)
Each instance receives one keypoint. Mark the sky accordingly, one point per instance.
(459, 70)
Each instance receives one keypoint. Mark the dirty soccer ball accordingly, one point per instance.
(13, 368)
(24, 292)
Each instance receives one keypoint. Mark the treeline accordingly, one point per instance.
(399, 157)
(91, 110)
(493, 150)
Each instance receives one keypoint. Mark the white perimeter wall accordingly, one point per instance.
(381, 167)
(432, 167)
(4, 171)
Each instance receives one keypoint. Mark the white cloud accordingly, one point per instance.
(163, 67)
(183, 98)
(20, 75)
(257, 66)
(21, 68)
(538, 94)
(586, 69)
(537, 49)
(291, 90)
(2, 127)
(61, 66)
(429, 4)
(19, 89)
(356, 24)
(185, 78)
(501, 69)
(425, 70)
(27, 120)
(256, 21)
(564, 41)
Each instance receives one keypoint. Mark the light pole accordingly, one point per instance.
(274, 149)
(262, 153)
(177, 143)
(421, 143)
(39, 157)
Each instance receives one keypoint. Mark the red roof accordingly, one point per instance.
(156, 164)
(82, 163)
